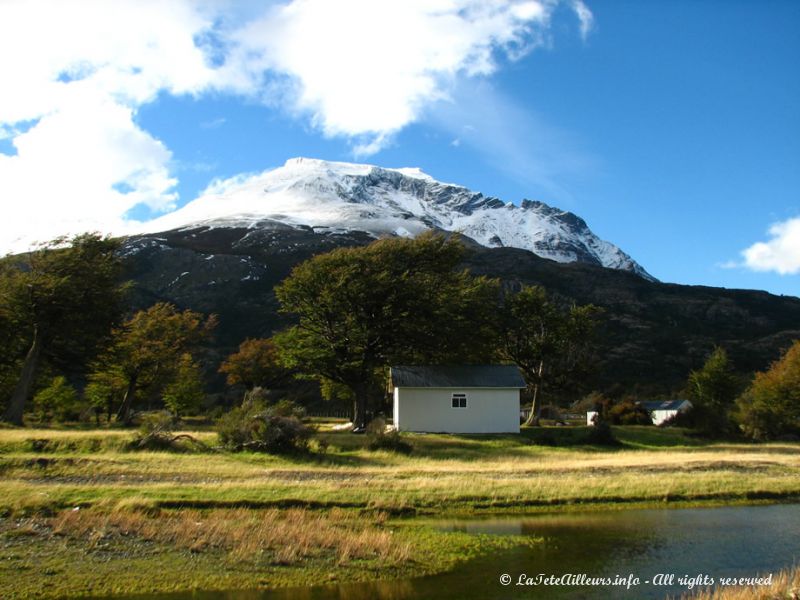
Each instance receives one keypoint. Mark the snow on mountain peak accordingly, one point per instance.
(340, 196)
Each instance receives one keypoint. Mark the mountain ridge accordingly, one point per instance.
(343, 197)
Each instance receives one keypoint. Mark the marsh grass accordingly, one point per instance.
(282, 537)
(133, 547)
(785, 586)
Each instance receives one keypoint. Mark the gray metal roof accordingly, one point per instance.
(662, 404)
(477, 376)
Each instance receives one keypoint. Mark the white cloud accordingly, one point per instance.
(585, 17)
(514, 139)
(368, 68)
(213, 123)
(127, 49)
(781, 253)
(81, 168)
(75, 73)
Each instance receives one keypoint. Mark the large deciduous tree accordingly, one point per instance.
(59, 303)
(392, 302)
(547, 342)
(149, 349)
(770, 407)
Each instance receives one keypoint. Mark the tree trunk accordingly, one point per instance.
(536, 410)
(360, 409)
(16, 405)
(124, 413)
(534, 416)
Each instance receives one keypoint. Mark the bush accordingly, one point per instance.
(600, 434)
(252, 426)
(185, 392)
(713, 390)
(287, 408)
(57, 401)
(381, 439)
(683, 418)
(627, 412)
(156, 433)
(552, 413)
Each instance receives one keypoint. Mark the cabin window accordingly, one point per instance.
(459, 401)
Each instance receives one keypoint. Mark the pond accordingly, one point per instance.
(621, 546)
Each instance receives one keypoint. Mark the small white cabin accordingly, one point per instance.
(663, 410)
(457, 399)
(660, 411)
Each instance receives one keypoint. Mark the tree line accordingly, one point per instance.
(356, 311)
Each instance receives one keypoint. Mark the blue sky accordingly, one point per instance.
(671, 127)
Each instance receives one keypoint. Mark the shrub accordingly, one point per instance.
(58, 400)
(287, 408)
(682, 418)
(552, 413)
(185, 392)
(156, 433)
(600, 434)
(252, 426)
(627, 412)
(713, 390)
(378, 438)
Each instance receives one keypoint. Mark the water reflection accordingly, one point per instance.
(720, 542)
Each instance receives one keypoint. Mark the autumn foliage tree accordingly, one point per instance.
(149, 350)
(255, 364)
(770, 407)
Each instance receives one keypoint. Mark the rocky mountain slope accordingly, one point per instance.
(344, 198)
(653, 333)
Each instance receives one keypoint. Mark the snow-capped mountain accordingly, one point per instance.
(339, 197)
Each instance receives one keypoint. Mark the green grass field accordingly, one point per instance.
(82, 506)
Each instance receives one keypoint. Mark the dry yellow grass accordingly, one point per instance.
(445, 473)
(785, 586)
(278, 536)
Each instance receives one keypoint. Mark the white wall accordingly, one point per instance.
(430, 409)
(659, 416)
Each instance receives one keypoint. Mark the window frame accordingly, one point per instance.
(458, 400)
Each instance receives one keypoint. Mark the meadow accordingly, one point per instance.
(84, 514)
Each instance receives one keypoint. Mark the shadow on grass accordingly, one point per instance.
(648, 437)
